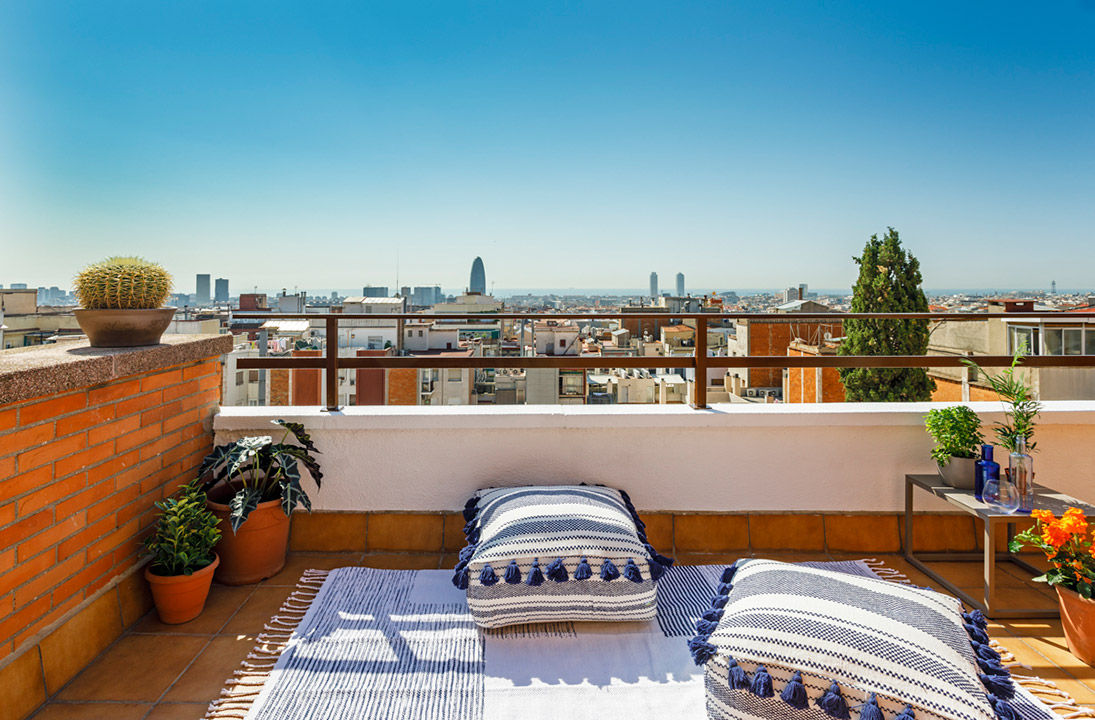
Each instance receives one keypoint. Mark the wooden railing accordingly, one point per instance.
(699, 361)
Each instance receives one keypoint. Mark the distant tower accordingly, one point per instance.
(202, 290)
(221, 290)
(1053, 287)
(653, 284)
(680, 284)
(478, 283)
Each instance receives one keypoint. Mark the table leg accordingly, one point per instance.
(990, 567)
(908, 519)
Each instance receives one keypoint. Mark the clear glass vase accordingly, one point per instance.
(1002, 494)
(1021, 475)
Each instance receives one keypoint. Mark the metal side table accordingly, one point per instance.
(1044, 497)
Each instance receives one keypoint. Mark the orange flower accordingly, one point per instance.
(1043, 515)
(1074, 522)
(1055, 535)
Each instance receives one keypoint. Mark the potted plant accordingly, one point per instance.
(957, 434)
(1067, 544)
(122, 299)
(1020, 406)
(254, 486)
(183, 560)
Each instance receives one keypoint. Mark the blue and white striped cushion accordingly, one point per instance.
(557, 553)
(789, 641)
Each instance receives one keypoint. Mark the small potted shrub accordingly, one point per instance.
(254, 486)
(183, 560)
(957, 434)
(122, 299)
(1067, 544)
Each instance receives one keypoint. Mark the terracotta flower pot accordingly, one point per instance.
(257, 550)
(181, 598)
(124, 328)
(1078, 619)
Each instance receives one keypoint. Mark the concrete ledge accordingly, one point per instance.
(27, 373)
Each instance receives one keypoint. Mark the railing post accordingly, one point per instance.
(332, 364)
(699, 396)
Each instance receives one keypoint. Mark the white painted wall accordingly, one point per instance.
(840, 457)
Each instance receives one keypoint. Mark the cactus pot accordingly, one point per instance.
(124, 328)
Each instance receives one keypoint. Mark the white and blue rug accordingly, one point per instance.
(401, 645)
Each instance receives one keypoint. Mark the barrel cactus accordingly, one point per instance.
(123, 283)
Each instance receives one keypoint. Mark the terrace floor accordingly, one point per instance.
(172, 672)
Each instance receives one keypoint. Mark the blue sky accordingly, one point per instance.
(570, 144)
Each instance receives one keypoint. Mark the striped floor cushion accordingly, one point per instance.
(788, 641)
(557, 553)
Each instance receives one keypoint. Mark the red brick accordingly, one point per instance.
(213, 382)
(186, 417)
(24, 616)
(25, 482)
(7, 561)
(138, 507)
(157, 414)
(7, 467)
(113, 391)
(115, 467)
(181, 390)
(51, 493)
(138, 403)
(52, 451)
(7, 513)
(86, 498)
(82, 539)
(113, 429)
(44, 582)
(7, 420)
(126, 553)
(51, 616)
(84, 420)
(25, 570)
(107, 544)
(25, 528)
(162, 444)
(209, 367)
(111, 503)
(51, 536)
(79, 582)
(137, 438)
(160, 380)
(26, 438)
(52, 408)
(83, 459)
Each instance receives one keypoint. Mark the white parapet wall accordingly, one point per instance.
(839, 457)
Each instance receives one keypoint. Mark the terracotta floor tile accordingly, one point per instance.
(299, 562)
(402, 561)
(1026, 597)
(178, 711)
(76, 643)
(695, 558)
(204, 680)
(222, 603)
(452, 533)
(21, 685)
(136, 668)
(971, 574)
(93, 711)
(257, 610)
(449, 560)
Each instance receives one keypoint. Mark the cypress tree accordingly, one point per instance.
(889, 281)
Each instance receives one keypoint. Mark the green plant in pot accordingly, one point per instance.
(122, 299)
(957, 434)
(183, 561)
(1020, 406)
(254, 486)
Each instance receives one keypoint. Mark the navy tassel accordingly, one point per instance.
(657, 557)
(832, 703)
(705, 627)
(998, 685)
(985, 651)
(976, 617)
(460, 579)
(513, 573)
(738, 679)
(473, 536)
(471, 508)
(631, 571)
(794, 694)
(656, 571)
(714, 615)
(1003, 708)
(535, 576)
(762, 683)
(870, 710)
(557, 571)
(487, 576)
(719, 601)
(724, 589)
(728, 573)
(976, 633)
(991, 668)
(460, 566)
(466, 552)
(470, 525)
(583, 571)
(906, 714)
(701, 650)
(609, 571)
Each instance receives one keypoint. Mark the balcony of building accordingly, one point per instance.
(90, 439)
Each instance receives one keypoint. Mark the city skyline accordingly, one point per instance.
(333, 146)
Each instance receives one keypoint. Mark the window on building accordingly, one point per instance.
(1089, 341)
(453, 374)
(570, 384)
(253, 376)
(239, 378)
(1063, 341)
(419, 333)
(1023, 337)
(410, 333)
(562, 343)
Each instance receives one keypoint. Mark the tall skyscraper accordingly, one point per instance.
(478, 282)
(653, 284)
(374, 291)
(221, 290)
(680, 284)
(201, 294)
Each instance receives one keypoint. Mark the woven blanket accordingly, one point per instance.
(401, 645)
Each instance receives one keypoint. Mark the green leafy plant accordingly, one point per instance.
(1020, 406)
(123, 283)
(956, 431)
(256, 469)
(185, 534)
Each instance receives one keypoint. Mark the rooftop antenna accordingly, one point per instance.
(397, 269)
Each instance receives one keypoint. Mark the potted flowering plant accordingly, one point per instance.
(1067, 544)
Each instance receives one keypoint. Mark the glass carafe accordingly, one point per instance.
(1021, 475)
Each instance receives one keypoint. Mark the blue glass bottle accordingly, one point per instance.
(990, 485)
(979, 476)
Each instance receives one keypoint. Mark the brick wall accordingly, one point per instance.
(79, 473)
(306, 386)
(951, 391)
(802, 382)
(772, 337)
(402, 386)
